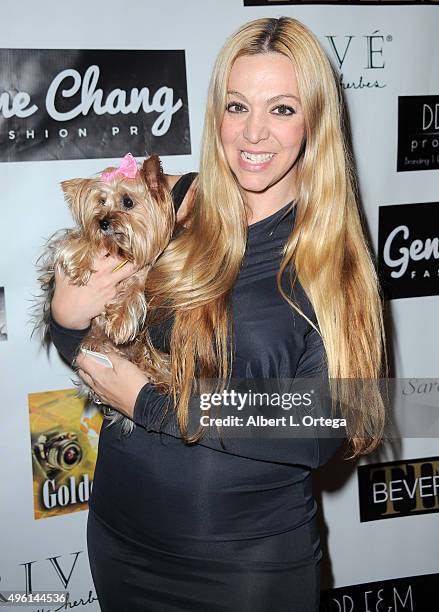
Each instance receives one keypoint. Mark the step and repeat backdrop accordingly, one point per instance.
(83, 83)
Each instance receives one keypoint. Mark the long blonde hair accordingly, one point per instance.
(193, 278)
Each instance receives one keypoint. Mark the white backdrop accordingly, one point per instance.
(32, 208)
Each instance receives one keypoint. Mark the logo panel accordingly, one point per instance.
(418, 133)
(398, 488)
(408, 243)
(68, 104)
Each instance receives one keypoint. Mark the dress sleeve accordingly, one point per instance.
(313, 365)
(154, 411)
(66, 341)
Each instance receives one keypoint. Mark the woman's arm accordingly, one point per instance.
(125, 388)
(154, 412)
(66, 341)
(73, 307)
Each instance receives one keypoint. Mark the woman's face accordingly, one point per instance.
(263, 125)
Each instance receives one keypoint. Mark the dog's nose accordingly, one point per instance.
(105, 224)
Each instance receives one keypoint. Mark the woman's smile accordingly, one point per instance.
(255, 161)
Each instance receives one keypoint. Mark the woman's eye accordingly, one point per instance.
(283, 109)
(127, 202)
(235, 107)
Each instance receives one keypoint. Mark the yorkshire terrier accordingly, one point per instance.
(128, 211)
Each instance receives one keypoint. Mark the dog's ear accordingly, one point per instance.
(71, 188)
(152, 173)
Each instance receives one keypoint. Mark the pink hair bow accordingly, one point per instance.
(128, 168)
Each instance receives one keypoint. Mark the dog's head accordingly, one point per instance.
(128, 212)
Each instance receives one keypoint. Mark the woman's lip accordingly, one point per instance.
(252, 166)
(256, 152)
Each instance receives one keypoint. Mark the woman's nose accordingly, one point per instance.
(256, 128)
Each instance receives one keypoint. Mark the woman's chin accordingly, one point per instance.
(254, 184)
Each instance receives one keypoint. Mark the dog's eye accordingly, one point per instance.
(102, 201)
(127, 202)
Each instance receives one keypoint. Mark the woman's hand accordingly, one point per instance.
(118, 386)
(75, 306)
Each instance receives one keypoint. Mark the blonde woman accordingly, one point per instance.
(269, 277)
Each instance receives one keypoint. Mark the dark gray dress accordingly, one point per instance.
(208, 528)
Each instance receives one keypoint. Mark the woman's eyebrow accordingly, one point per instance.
(270, 100)
(232, 92)
(287, 95)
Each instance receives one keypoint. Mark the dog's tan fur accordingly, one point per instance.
(139, 233)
